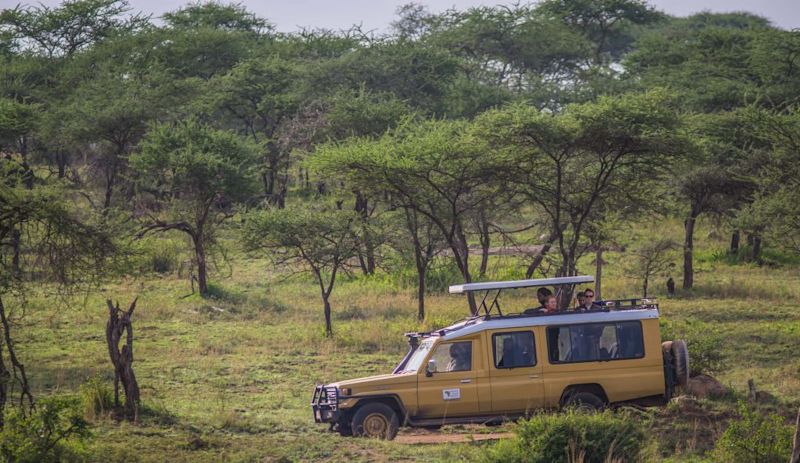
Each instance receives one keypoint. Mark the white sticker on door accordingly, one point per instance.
(451, 394)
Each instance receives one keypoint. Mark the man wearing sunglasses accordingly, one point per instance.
(587, 302)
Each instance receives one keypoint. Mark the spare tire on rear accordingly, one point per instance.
(680, 361)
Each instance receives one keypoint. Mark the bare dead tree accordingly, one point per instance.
(119, 323)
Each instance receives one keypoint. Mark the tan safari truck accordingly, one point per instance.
(499, 366)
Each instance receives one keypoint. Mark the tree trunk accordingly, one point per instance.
(200, 253)
(756, 256)
(119, 323)
(110, 179)
(796, 441)
(5, 376)
(367, 259)
(688, 246)
(328, 326)
(461, 253)
(15, 246)
(735, 236)
(485, 239)
(16, 366)
(598, 274)
(421, 292)
(537, 261)
(644, 287)
(62, 159)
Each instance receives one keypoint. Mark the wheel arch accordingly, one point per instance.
(593, 388)
(393, 401)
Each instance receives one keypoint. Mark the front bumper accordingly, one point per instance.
(325, 404)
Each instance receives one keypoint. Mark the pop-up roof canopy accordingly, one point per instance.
(492, 285)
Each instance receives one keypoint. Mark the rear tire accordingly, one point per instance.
(680, 360)
(375, 420)
(584, 401)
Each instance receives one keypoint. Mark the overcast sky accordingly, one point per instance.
(377, 14)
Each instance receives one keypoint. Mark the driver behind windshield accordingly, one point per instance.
(460, 354)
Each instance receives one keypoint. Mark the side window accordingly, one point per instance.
(595, 342)
(512, 350)
(455, 356)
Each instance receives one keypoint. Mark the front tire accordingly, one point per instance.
(375, 420)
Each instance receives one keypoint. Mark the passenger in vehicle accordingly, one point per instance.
(459, 357)
(550, 305)
(588, 301)
(542, 294)
(508, 353)
(581, 300)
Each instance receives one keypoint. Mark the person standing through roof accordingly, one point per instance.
(541, 295)
(581, 300)
(550, 304)
(588, 301)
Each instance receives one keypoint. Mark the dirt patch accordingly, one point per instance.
(439, 438)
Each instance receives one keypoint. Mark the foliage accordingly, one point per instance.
(574, 163)
(53, 432)
(755, 437)
(97, 398)
(320, 240)
(69, 28)
(651, 259)
(704, 341)
(193, 174)
(574, 436)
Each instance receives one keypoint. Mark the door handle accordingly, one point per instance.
(465, 381)
(533, 376)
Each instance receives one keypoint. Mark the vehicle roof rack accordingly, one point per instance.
(492, 285)
(499, 286)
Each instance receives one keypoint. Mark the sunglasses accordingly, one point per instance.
(589, 295)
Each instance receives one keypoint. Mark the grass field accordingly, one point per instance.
(230, 378)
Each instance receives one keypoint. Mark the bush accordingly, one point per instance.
(158, 254)
(704, 341)
(573, 437)
(97, 399)
(53, 432)
(754, 437)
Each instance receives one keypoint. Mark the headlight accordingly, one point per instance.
(345, 391)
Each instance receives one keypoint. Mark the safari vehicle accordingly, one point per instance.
(495, 366)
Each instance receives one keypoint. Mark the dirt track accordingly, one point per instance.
(439, 438)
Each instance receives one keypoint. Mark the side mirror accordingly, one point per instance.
(431, 368)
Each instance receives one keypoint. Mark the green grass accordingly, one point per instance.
(230, 377)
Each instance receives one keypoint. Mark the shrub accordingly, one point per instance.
(53, 432)
(704, 341)
(159, 255)
(755, 437)
(97, 398)
(573, 436)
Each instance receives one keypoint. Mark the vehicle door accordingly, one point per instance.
(447, 386)
(516, 379)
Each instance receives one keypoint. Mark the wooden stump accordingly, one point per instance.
(119, 323)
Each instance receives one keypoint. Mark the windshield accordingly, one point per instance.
(419, 356)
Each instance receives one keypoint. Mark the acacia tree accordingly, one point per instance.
(571, 163)
(321, 241)
(436, 168)
(652, 258)
(65, 245)
(260, 95)
(190, 178)
(72, 26)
